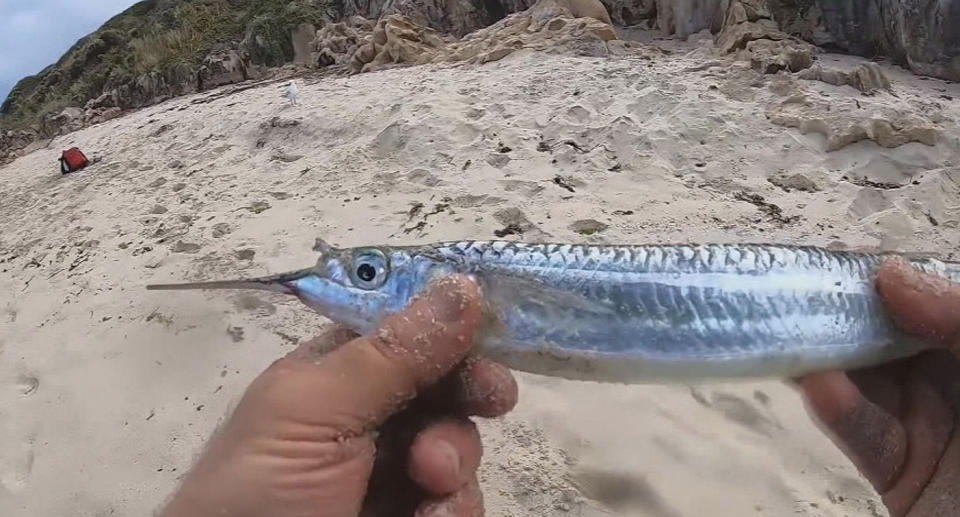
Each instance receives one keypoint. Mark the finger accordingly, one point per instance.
(327, 341)
(356, 386)
(883, 385)
(478, 387)
(873, 439)
(466, 502)
(485, 388)
(927, 306)
(929, 424)
(941, 498)
(445, 456)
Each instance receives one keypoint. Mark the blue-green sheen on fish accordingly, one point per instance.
(630, 314)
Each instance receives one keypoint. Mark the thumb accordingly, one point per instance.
(356, 386)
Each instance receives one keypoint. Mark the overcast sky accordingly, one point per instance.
(35, 33)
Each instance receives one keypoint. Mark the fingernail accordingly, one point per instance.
(448, 299)
(450, 458)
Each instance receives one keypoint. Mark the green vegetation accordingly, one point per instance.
(156, 46)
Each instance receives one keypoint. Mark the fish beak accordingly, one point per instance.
(282, 283)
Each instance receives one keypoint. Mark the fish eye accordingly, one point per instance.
(369, 269)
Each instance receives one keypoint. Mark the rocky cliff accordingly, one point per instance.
(163, 48)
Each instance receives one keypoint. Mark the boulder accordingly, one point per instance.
(106, 100)
(96, 116)
(685, 17)
(866, 77)
(750, 33)
(335, 43)
(69, 119)
(843, 125)
(548, 25)
(223, 67)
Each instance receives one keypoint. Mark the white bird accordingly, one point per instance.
(291, 92)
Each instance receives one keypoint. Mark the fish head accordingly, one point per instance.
(359, 287)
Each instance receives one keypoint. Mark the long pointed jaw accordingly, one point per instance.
(281, 283)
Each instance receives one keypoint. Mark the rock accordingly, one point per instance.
(223, 67)
(921, 34)
(578, 9)
(866, 77)
(107, 100)
(15, 142)
(548, 25)
(301, 39)
(335, 43)
(70, 119)
(185, 247)
(752, 35)
(842, 125)
(631, 12)
(158, 209)
(97, 116)
(686, 17)
(455, 17)
(794, 182)
(770, 56)
(155, 86)
(246, 254)
(258, 207)
(588, 226)
(515, 222)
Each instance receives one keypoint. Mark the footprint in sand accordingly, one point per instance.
(157, 183)
(742, 412)
(868, 202)
(245, 254)
(578, 114)
(250, 302)
(626, 493)
(235, 333)
(423, 177)
(527, 188)
(471, 200)
(221, 229)
(185, 247)
(27, 385)
(16, 466)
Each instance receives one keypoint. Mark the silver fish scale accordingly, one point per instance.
(631, 314)
(729, 307)
(742, 259)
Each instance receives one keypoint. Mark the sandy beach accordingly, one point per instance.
(109, 391)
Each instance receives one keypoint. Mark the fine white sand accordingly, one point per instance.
(109, 391)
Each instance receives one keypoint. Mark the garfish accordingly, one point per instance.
(631, 314)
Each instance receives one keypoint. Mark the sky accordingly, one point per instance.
(35, 33)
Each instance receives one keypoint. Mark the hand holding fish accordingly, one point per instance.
(377, 426)
(302, 439)
(898, 422)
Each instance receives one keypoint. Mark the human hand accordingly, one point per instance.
(897, 422)
(377, 426)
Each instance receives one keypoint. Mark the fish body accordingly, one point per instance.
(629, 314)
